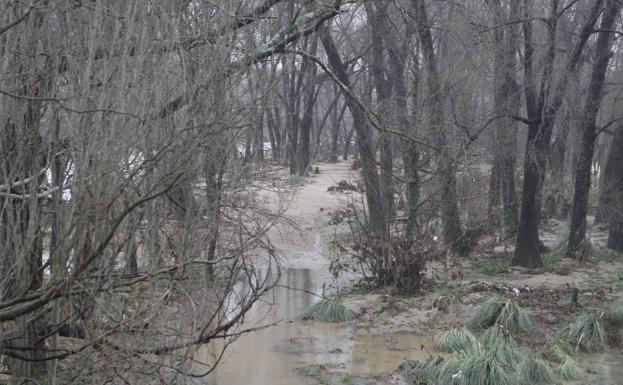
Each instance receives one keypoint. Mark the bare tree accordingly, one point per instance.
(589, 129)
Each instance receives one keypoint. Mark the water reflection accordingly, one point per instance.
(270, 356)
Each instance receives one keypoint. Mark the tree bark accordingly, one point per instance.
(364, 139)
(452, 232)
(541, 117)
(615, 190)
(506, 102)
(377, 19)
(589, 135)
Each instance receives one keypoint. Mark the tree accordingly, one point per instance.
(506, 97)
(124, 204)
(542, 105)
(615, 188)
(364, 138)
(452, 232)
(589, 130)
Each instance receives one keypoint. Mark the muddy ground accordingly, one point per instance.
(390, 326)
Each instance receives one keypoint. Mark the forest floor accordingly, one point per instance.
(391, 327)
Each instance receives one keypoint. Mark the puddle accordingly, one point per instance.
(270, 356)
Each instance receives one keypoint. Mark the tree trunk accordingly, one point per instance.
(541, 117)
(305, 127)
(398, 48)
(452, 233)
(615, 192)
(606, 186)
(335, 129)
(506, 102)
(347, 140)
(364, 140)
(377, 19)
(591, 107)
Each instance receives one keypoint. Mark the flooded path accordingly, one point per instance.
(271, 356)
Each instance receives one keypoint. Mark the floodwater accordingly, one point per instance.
(270, 356)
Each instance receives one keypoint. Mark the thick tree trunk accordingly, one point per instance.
(377, 19)
(305, 127)
(542, 115)
(593, 100)
(364, 140)
(398, 52)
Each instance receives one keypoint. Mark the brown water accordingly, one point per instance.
(271, 356)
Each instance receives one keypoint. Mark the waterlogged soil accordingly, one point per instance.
(390, 328)
(278, 354)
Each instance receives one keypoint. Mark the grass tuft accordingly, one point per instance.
(473, 366)
(534, 370)
(502, 311)
(315, 370)
(501, 344)
(455, 340)
(485, 369)
(568, 369)
(328, 310)
(588, 331)
(447, 298)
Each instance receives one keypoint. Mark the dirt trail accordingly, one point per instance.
(300, 247)
(271, 356)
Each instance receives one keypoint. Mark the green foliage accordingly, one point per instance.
(347, 379)
(534, 370)
(568, 368)
(328, 310)
(447, 298)
(455, 340)
(473, 366)
(314, 370)
(491, 267)
(588, 331)
(502, 311)
(501, 344)
(606, 255)
(482, 368)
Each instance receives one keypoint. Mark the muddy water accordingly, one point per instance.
(270, 356)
